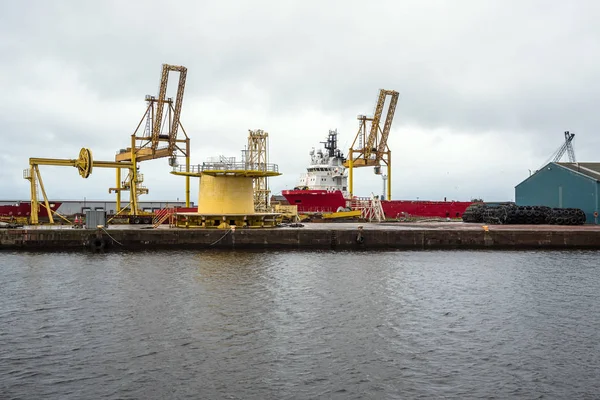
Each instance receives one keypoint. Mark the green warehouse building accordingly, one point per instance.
(564, 185)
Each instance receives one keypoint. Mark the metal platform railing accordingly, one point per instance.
(228, 166)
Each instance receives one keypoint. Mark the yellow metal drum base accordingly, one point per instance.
(215, 221)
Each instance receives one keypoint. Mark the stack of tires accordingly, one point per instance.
(527, 215)
(474, 213)
(522, 215)
(566, 216)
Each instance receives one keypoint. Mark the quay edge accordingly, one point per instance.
(330, 236)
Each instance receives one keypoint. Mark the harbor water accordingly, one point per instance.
(300, 325)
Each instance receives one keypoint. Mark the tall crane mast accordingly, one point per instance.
(566, 147)
(370, 147)
(160, 128)
(256, 158)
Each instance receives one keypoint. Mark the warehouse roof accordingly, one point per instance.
(589, 169)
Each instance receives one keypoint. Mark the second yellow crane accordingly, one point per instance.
(370, 147)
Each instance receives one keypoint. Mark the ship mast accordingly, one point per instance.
(331, 145)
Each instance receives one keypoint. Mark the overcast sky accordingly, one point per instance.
(487, 88)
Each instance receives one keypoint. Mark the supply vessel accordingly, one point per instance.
(324, 189)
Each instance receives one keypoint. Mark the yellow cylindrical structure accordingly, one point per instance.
(225, 195)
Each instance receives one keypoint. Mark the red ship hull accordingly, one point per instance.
(23, 209)
(408, 208)
(315, 200)
(330, 201)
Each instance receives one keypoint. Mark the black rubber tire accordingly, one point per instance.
(97, 244)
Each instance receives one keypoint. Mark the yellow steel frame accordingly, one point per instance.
(145, 146)
(372, 149)
(84, 164)
(257, 158)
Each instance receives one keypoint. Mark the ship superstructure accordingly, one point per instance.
(326, 170)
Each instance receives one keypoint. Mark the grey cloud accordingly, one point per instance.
(524, 69)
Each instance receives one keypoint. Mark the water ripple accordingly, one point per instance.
(288, 325)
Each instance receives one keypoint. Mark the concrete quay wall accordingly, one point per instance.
(295, 238)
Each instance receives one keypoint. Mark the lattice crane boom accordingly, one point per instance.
(178, 104)
(369, 147)
(566, 147)
(569, 141)
(372, 150)
(559, 153)
(161, 100)
(388, 123)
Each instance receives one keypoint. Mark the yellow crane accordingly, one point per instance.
(157, 140)
(370, 148)
(84, 164)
